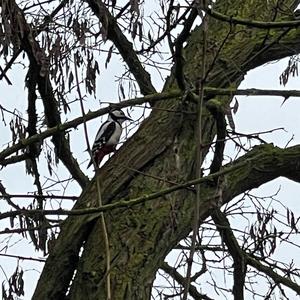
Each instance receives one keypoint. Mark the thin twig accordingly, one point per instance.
(106, 242)
(198, 160)
(103, 224)
(22, 230)
(82, 108)
(73, 198)
(46, 21)
(116, 35)
(22, 257)
(181, 280)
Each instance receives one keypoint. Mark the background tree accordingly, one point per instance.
(170, 180)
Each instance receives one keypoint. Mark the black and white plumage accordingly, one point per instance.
(108, 135)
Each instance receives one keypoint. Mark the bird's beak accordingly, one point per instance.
(128, 119)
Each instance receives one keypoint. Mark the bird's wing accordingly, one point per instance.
(103, 135)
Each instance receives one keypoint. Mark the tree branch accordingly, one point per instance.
(46, 21)
(181, 280)
(119, 204)
(278, 279)
(115, 34)
(37, 58)
(89, 116)
(44, 196)
(235, 251)
(209, 92)
(22, 257)
(251, 23)
(217, 110)
(14, 159)
(6, 196)
(178, 55)
(257, 166)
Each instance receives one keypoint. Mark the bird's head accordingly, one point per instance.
(118, 115)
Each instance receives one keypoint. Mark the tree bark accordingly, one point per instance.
(164, 147)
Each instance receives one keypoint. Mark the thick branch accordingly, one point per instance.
(178, 55)
(90, 116)
(121, 203)
(252, 23)
(264, 163)
(254, 165)
(217, 110)
(14, 159)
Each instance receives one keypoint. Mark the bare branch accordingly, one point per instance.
(257, 167)
(115, 34)
(120, 203)
(251, 23)
(46, 21)
(37, 58)
(279, 279)
(44, 196)
(235, 251)
(198, 152)
(209, 92)
(6, 196)
(22, 257)
(181, 280)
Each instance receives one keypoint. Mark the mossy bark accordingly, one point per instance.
(164, 147)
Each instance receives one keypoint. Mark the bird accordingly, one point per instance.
(108, 136)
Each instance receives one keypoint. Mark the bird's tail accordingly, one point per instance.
(90, 163)
(98, 156)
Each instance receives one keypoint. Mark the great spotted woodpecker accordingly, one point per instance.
(108, 135)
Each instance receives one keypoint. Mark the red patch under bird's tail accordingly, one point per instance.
(100, 153)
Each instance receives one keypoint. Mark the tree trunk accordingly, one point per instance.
(164, 147)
